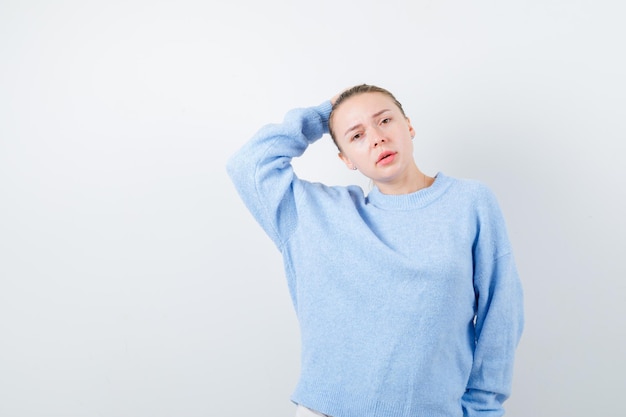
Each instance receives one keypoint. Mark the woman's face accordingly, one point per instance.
(374, 137)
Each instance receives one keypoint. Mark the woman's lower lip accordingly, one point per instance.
(387, 160)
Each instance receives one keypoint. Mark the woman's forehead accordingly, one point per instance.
(364, 105)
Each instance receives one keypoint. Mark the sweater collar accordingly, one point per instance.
(418, 199)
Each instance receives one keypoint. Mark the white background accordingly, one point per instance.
(133, 282)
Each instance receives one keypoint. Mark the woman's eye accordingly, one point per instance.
(357, 136)
(386, 120)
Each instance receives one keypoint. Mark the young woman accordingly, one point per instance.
(408, 298)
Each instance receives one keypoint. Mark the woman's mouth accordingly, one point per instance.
(386, 158)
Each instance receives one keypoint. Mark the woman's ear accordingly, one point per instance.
(411, 130)
(346, 161)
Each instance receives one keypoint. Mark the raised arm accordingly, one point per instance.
(262, 173)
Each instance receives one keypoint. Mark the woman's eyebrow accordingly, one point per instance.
(356, 126)
(378, 113)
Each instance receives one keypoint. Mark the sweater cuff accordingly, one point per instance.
(324, 111)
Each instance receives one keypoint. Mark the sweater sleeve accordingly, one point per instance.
(499, 316)
(262, 172)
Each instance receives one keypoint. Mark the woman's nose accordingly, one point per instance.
(378, 136)
(379, 140)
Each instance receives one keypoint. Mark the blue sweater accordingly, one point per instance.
(409, 305)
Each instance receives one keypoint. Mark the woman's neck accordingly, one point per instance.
(414, 181)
